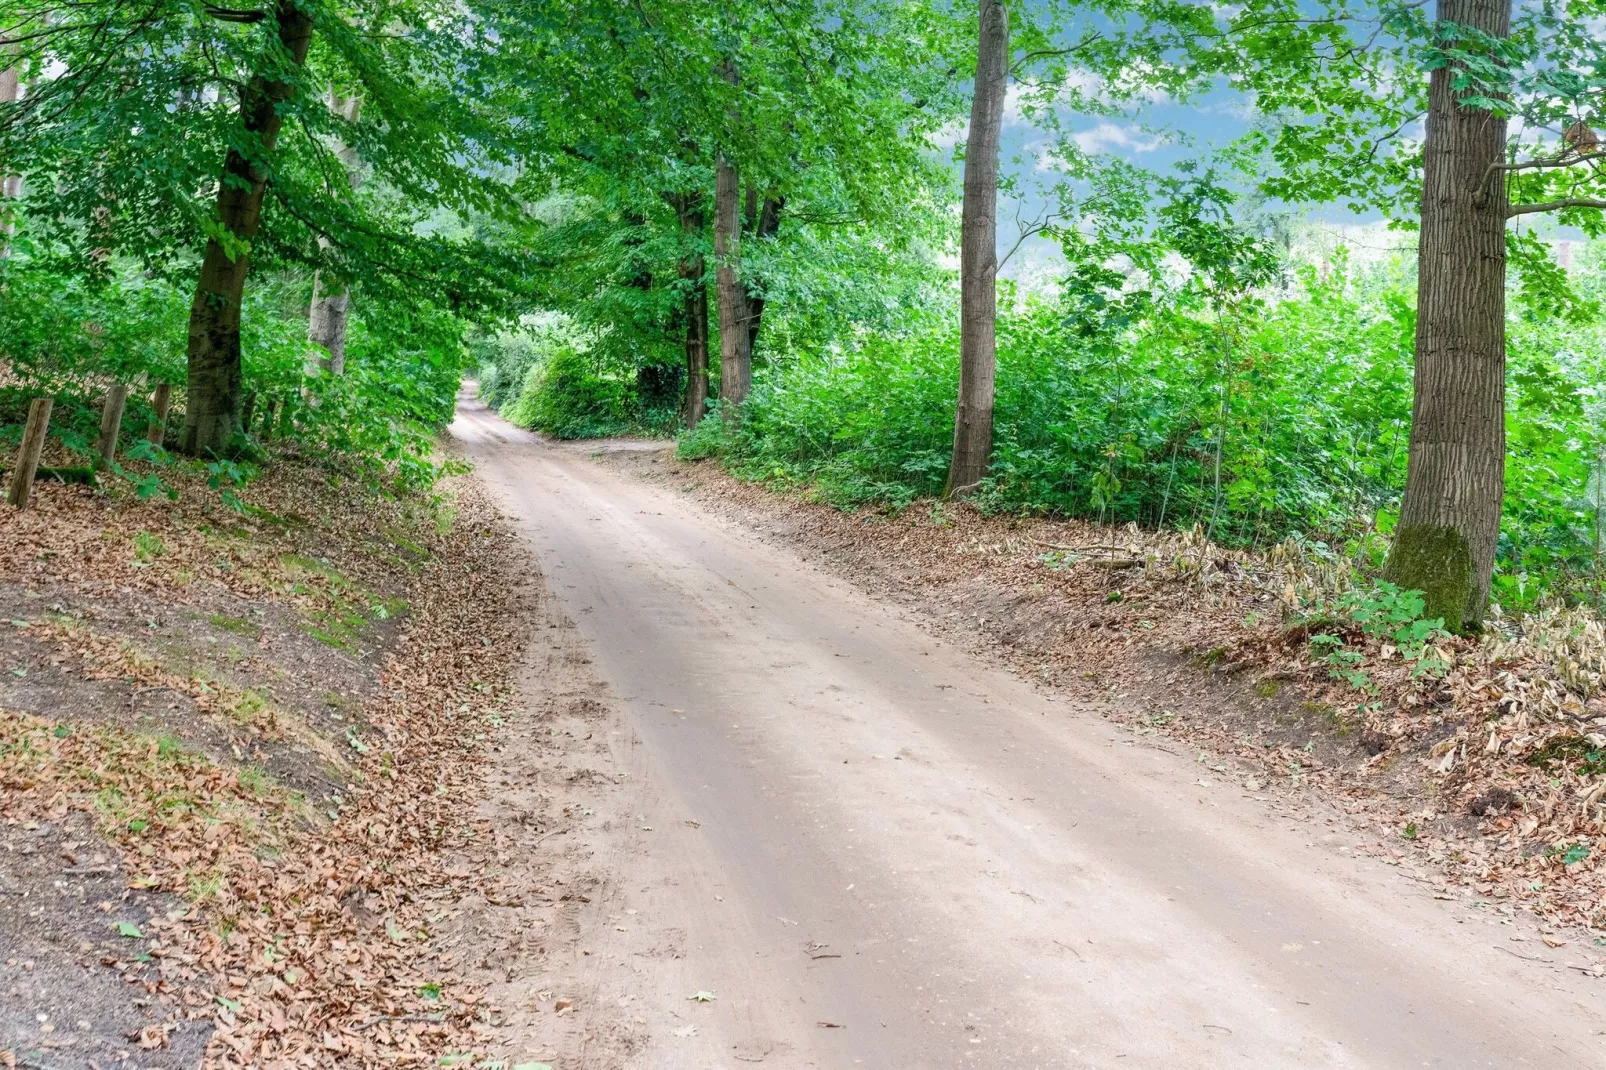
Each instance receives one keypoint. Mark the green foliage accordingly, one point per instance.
(1383, 611)
(1343, 662)
(1114, 411)
(565, 396)
(148, 547)
(1118, 404)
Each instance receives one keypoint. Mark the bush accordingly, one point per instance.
(564, 397)
(1292, 418)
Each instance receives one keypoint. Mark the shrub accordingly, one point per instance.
(565, 397)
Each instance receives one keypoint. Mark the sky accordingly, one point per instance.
(1166, 133)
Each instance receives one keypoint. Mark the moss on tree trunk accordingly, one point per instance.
(1439, 563)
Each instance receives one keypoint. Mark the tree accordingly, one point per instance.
(121, 142)
(214, 392)
(331, 301)
(978, 255)
(1449, 525)
(10, 185)
(735, 346)
(694, 305)
(1341, 90)
(776, 120)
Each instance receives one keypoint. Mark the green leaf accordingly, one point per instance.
(129, 929)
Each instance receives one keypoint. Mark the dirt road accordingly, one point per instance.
(873, 850)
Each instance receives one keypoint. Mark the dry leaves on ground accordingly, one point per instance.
(303, 933)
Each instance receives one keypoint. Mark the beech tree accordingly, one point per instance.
(719, 129)
(214, 391)
(978, 255)
(331, 300)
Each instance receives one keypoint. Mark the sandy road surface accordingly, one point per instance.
(875, 851)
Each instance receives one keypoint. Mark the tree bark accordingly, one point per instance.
(735, 351)
(10, 185)
(978, 257)
(1449, 526)
(331, 308)
(694, 308)
(212, 415)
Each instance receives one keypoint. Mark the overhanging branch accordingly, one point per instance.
(1556, 206)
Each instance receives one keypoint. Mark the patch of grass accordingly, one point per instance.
(169, 746)
(407, 545)
(235, 625)
(1574, 752)
(1210, 658)
(112, 804)
(387, 608)
(1268, 688)
(297, 567)
(337, 628)
(203, 885)
(250, 706)
(257, 780)
(148, 547)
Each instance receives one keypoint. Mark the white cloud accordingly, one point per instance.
(948, 137)
(1112, 137)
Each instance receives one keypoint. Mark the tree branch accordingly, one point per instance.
(230, 14)
(1563, 160)
(1044, 53)
(1030, 230)
(1556, 206)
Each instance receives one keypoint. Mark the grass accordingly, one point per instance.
(257, 780)
(250, 707)
(235, 625)
(148, 547)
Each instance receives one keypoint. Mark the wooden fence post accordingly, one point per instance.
(111, 422)
(33, 444)
(161, 402)
(270, 419)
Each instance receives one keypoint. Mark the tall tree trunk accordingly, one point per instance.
(10, 185)
(735, 350)
(331, 307)
(978, 256)
(766, 223)
(694, 309)
(1449, 525)
(211, 415)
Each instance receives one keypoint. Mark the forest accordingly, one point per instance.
(1361, 313)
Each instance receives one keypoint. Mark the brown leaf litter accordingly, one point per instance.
(286, 910)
